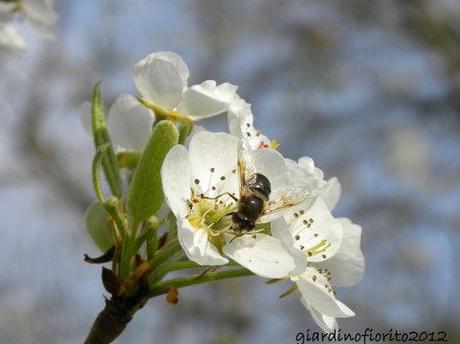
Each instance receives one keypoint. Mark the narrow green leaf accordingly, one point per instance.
(145, 194)
(96, 224)
(101, 137)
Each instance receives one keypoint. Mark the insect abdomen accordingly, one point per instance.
(252, 206)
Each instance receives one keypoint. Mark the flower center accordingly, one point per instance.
(211, 215)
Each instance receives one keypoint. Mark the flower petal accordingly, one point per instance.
(40, 11)
(213, 163)
(315, 233)
(85, 117)
(255, 138)
(175, 178)
(196, 244)
(207, 99)
(331, 192)
(130, 123)
(260, 253)
(280, 230)
(317, 292)
(302, 177)
(162, 78)
(238, 111)
(11, 40)
(347, 265)
(270, 163)
(325, 322)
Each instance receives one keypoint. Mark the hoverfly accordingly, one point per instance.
(256, 200)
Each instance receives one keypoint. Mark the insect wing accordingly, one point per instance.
(283, 200)
(246, 164)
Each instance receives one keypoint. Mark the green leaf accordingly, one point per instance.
(101, 138)
(96, 224)
(145, 194)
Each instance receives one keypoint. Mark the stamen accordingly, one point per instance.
(322, 246)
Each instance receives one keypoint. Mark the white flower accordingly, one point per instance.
(40, 14)
(241, 124)
(318, 297)
(162, 79)
(206, 170)
(327, 252)
(129, 122)
(311, 178)
(10, 39)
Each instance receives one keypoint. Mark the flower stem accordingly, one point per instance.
(165, 253)
(167, 114)
(170, 267)
(162, 288)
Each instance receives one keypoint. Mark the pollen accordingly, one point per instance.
(319, 248)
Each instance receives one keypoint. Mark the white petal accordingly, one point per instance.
(197, 246)
(207, 99)
(130, 123)
(325, 322)
(85, 117)
(161, 78)
(330, 192)
(307, 164)
(315, 233)
(10, 39)
(280, 230)
(316, 291)
(302, 177)
(260, 253)
(40, 12)
(239, 112)
(256, 139)
(347, 265)
(177, 60)
(270, 163)
(213, 163)
(175, 178)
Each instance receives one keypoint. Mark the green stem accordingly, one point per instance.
(162, 288)
(165, 253)
(164, 269)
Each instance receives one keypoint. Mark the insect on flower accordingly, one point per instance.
(255, 191)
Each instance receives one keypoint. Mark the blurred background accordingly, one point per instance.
(369, 89)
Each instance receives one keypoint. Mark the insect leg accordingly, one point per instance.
(222, 194)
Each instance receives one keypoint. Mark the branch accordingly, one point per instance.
(110, 323)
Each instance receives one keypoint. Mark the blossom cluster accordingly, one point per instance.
(301, 242)
(39, 13)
